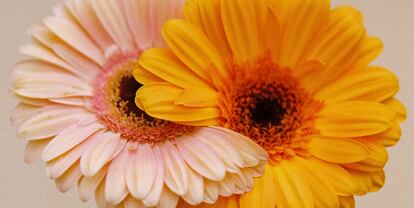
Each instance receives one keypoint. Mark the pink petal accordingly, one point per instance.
(34, 150)
(68, 139)
(195, 191)
(154, 195)
(116, 188)
(97, 155)
(75, 37)
(112, 19)
(88, 185)
(176, 173)
(69, 179)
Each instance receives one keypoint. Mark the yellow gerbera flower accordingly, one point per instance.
(293, 76)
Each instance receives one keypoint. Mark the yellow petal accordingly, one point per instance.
(208, 122)
(195, 50)
(157, 93)
(370, 84)
(376, 160)
(335, 45)
(378, 156)
(370, 49)
(198, 97)
(391, 136)
(322, 189)
(337, 150)
(164, 64)
(338, 176)
(378, 180)
(145, 77)
(157, 99)
(354, 119)
(292, 190)
(362, 181)
(347, 202)
(205, 14)
(398, 108)
(302, 20)
(273, 36)
(243, 21)
(263, 194)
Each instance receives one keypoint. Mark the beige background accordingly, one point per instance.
(23, 186)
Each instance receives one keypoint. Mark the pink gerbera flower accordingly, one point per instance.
(77, 111)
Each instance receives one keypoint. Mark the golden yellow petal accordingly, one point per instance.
(292, 190)
(335, 45)
(197, 97)
(263, 194)
(362, 181)
(378, 180)
(164, 64)
(396, 106)
(301, 21)
(206, 15)
(354, 119)
(322, 189)
(145, 77)
(347, 202)
(243, 22)
(338, 176)
(337, 150)
(376, 160)
(273, 36)
(370, 84)
(391, 136)
(195, 50)
(162, 105)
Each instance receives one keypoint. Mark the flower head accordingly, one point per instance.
(78, 113)
(291, 75)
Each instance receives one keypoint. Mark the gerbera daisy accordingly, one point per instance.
(78, 113)
(293, 76)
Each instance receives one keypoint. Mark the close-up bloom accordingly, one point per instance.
(295, 77)
(77, 112)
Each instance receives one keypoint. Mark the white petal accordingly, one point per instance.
(130, 202)
(116, 189)
(201, 158)
(65, 182)
(195, 191)
(154, 195)
(43, 54)
(96, 156)
(138, 13)
(168, 199)
(176, 173)
(226, 186)
(115, 24)
(211, 192)
(86, 68)
(223, 147)
(68, 139)
(22, 112)
(75, 37)
(141, 171)
(74, 101)
(88, 185)
(90, 22)
(34, 150)
(50, 121)
(251, 152)
(51, 85)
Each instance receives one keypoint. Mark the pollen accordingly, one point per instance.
(114, 96)
(270, 107)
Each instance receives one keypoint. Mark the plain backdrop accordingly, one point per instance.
(26, 186)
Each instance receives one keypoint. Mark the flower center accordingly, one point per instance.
(268, 105)
(114, 104)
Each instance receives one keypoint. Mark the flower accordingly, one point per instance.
(293, 76)
(77, 111)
